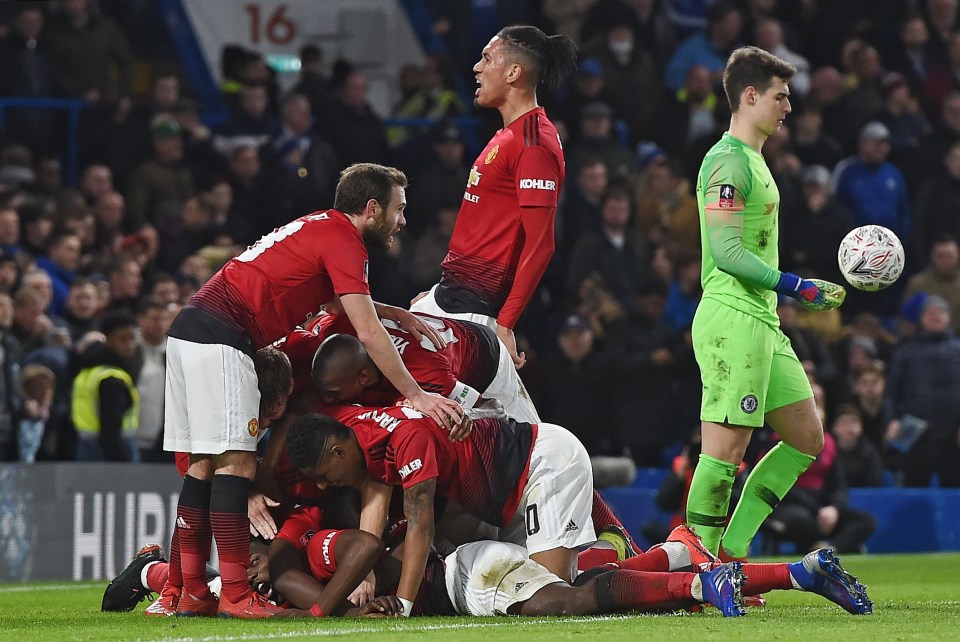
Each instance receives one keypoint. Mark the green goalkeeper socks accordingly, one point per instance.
(773, 476)
(709, 499)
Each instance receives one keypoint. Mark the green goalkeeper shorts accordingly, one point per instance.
(747, 367)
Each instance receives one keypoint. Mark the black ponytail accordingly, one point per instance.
(548, 59)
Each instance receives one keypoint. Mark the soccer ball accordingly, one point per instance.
(870, 257)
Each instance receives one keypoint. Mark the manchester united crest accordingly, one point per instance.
(492, 154)
(253, 427)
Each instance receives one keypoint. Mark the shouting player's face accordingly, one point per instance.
(491, 73)
(387, 221)
(772, 107)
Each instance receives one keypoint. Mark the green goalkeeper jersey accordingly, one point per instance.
(739, 207)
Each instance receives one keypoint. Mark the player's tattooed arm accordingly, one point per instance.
(418, 509)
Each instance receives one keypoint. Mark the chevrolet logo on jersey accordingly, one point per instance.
(474, 179)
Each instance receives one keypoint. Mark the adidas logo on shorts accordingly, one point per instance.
(571, 526)
(519, 586)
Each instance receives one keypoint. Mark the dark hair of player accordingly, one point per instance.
(752, 67)
(548, 59)
(361, 182)
(308, 437)
(274, 374)
(338, 355)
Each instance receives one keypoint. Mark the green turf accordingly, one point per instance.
(915, 598)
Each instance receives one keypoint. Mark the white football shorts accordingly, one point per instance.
(487, 578)
(211, 399)
(557, 503)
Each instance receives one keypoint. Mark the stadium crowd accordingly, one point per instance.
(92, 274)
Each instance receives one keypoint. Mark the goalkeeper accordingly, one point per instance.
(749, 371)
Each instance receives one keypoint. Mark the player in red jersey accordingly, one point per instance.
(474, 364)
(504, 236)
(211, 385)
(538, 473)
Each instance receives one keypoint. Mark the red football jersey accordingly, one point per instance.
(284, 278)
(471, 355)
(486, 474)
(522, 166)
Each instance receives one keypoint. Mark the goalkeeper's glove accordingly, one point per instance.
(813, 294)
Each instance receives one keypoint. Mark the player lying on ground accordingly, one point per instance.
(676, 574)
(539, 473)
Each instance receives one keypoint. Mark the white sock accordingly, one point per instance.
(696, 589)
(143, 575)
(677, 555)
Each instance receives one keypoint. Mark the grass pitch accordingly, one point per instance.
(915, 598)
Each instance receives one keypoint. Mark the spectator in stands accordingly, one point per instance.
(187, 235)
(941, 276)
(126, 280)
(353, 128)
(441, 181)
(941, 18)
(9, 274)
(684, 291)
(198, 142)
(871, 402)
(10, 236)
(105, 404)
(597, 140)
(666, 207)
(109, 214)
(936, 206)
(815, 512)
(942, 79)
(424, 254)
(159, 186)
(432, 98)
(581, 206)
(810, 144)
(250, 213)
(87, 51)
(576, 390)
(132, 143)
(689, 114)
(871, 187)
(809, 241)
(811, 350)
(26, 72)
(922, 383)
(863, 101)
(305, 166)
(646, 358)
(149, 358)
(10, 357)
(856, 455)
(61, 263)
(631, 79)
(614, 253)
(166, 289)
(768, 34)
(709, 48)
(96, 181)
(312, 82)
(81, 313)
(907, 124)
(912, 56)
(254, 118)
(37, 386)
(588, 86)
(40, 282)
